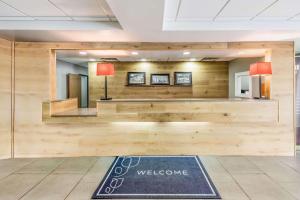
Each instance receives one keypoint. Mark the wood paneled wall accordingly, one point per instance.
(36, 139)
(5, 97)
(210, 80)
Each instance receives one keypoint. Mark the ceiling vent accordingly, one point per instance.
(211, 59)
(109, 60)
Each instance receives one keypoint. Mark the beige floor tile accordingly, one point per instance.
(99, 169)
(54, 187)
(215, 170)
(9, 166)
(76, 165)
(277, 170)
(259, 178)
(261, 187)
(15, 185)
(292, 188)
(293, 162)
(238, 165)
(83, 191)
(230, 190)
(91, 180)
(42, 165)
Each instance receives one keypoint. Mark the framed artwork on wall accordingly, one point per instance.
(136, 78)
(160, 79)
(182, 78)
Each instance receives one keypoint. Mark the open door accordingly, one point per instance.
(74, 87)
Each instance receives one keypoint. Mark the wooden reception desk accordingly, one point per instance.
(173, 127)
(171, 110)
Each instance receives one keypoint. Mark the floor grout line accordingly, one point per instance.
(17, 169)
(241, 188)
(286, 186)
(81, 178)
(284, 163)
(272, 179)
(39, 182)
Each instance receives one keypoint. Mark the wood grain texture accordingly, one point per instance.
(152, 138)
(63, 105)
(124, 45)
(230, 111)
(52, 75)
(33, 138)
(5, 97)
(210, 80)
(189, 111)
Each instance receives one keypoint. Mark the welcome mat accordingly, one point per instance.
(152, 177)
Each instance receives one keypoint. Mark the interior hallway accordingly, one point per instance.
(237, 178)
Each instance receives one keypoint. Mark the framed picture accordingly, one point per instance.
(182, 78)
(160, 79)
(136, 78)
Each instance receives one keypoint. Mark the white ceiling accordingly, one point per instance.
(150, 20)
(74, 56)
(56, 10)
(236, 10)
(232, 14)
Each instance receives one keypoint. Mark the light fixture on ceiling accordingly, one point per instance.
(134, 53)
(192, 59)
(92, 59)
(143, 59)
(186, 53)
(82, 53)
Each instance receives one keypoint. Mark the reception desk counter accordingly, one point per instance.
(173, 126)
(170, 110)
(188, 110)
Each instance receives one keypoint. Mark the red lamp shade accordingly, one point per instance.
(261, 68)
(105, 69)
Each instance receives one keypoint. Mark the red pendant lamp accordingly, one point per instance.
(105, 69)
(261, 69)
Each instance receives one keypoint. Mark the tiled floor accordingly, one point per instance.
(236, 178)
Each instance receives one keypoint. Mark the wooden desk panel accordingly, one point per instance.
(224, 110)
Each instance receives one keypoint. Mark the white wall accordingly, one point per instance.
(62, 69)
(238, 65)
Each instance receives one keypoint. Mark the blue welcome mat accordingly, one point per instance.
(154, 177)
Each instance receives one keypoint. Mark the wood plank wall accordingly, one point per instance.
(36, 139)
(5, 97)
(210, 80)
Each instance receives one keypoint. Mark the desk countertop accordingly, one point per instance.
(185, 100)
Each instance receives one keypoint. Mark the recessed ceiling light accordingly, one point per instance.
(134, 53)
(192, 59)
(143, 59)
(82, 53)
(186, 53)
(92, 59)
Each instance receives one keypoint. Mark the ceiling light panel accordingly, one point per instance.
(243, 10)
(80, 8)
(193, 10)
(103, 4)
(295, 18)
(281, 10)
(35, 7)
(6, 10)
(171, 8)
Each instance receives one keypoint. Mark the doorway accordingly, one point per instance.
(77, 87)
